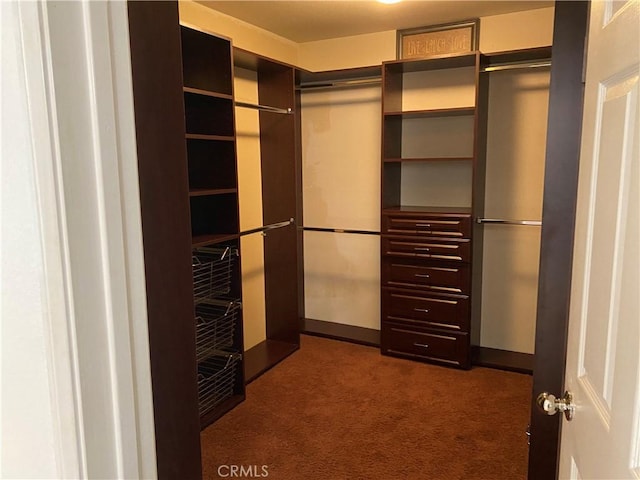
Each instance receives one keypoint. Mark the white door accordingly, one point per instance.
(603, 359)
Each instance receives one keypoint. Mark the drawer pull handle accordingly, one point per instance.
(422, 249)
(423, 225)
(424, 310)
(422, 275)
(423, 345)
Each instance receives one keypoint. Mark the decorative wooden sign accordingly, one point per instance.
(425, 42)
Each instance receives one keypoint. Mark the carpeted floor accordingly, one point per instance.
(335, 410)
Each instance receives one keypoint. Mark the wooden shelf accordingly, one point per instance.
(198, 192)
(339, 331)
(437, 112)
(199, 136)
(524, 55)
(425, 209)
(427, 159)
(316, 79)
(265, 355)
(435, 63)
(212, 239)
(207, 93)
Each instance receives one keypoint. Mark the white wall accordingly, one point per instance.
(341, 189)
(250, 198)
(348, 52)
(512, 31)
(516, 146)
(242, 34)
(530, 28)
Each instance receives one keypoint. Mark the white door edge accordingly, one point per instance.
(96, 436)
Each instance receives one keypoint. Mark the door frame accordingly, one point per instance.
(562, 158)
(71, 75)
(566, 97)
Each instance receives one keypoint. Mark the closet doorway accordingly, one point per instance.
(164, 427)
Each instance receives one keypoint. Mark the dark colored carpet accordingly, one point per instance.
(335, 410)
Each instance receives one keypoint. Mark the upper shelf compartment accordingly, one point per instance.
(206, 62)
(434, 63)
(442, 86)
(208, 115)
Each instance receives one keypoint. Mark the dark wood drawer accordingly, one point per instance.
(429, 225)
(447, 312)
(440, 278)
(435, 248)
(451, 349)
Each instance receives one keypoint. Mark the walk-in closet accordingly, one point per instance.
(331, 188)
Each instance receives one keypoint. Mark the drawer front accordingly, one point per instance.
(437, 278)
(434, 226)
(432, 248)
(429, 310)
(445, 348)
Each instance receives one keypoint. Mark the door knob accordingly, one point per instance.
(551, 405)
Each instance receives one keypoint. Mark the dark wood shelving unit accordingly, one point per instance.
(156, 72)
(280, 202)
(427, 250)
(213, 198)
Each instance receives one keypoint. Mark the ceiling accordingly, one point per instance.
(310, 20)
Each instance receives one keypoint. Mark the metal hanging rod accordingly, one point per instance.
(266, 228)
(265, 108)
(341, 83)
(516, 66)
(339, 230)
(502, 221)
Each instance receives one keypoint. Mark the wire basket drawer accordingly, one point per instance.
(212, 270)
(216, 380)
(215, 326)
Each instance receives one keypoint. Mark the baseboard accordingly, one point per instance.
(339, 331)
(481, 356)
(502, 359)
(264, 356)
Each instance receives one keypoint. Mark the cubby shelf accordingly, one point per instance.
(426, 159)
(199, 136)
(198, 192)
(434, 63)
(212, 239)
(436, 112)
(399, 209)
(207, 93)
